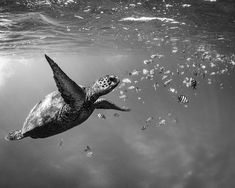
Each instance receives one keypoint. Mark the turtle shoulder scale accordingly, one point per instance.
(44, 112)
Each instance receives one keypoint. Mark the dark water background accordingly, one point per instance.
(182, 146)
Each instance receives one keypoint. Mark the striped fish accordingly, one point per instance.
(183, 99)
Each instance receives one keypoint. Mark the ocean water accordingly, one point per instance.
(156, 48)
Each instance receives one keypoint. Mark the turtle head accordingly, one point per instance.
(104, 85)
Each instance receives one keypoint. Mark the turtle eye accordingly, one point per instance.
(112, 79)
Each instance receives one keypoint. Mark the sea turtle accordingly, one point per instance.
(66, 108)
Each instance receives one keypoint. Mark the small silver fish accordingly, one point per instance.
(101, 116)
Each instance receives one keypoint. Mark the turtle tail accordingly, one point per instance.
(14, 135)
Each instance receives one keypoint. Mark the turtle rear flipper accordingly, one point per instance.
(14, 135)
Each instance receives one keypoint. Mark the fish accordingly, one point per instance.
(149, 119)
(88, 151)
(116, 114)
(166, 83)
(183, 99)
(193, 83)
(144, 127)
(162, 122)
(101, 116)
(126, 80)
(61, 142)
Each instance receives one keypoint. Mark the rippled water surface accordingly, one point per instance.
(158, 49)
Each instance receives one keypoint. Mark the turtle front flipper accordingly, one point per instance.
(72, 94)
(104, 104)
